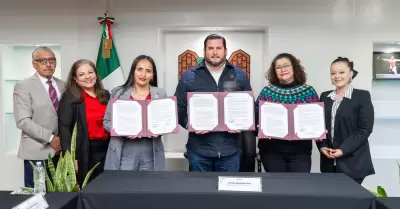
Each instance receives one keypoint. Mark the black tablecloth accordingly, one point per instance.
(55, 200)
(388, 203)
(195, 190)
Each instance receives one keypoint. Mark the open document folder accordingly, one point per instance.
(220, 111)
(292, 121)
(144, 118)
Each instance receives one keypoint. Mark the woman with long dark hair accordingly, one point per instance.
(133, 153)
(84, 102)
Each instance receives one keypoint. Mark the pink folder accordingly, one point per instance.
(291, 132)
(145, 131)
(221, 126)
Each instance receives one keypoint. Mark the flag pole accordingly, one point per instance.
(107, 64)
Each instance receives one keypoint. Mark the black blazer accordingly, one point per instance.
(68, 113)
(354, 122)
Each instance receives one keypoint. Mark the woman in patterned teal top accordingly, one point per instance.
(287, 80)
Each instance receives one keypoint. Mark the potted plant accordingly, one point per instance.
(380, 191)
(63, 178)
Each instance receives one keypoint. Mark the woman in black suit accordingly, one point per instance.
(349, 119)
(84, 102)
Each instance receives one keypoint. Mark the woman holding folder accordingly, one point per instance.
(349, 119)
(84, 103)
(287, 85)
(131, 152)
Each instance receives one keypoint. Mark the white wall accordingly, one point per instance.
(317, 31)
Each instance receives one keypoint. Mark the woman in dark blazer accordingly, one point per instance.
(349, 118)
(84, 102)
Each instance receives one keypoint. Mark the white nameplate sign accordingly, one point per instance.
(35, 202)
(242, 184)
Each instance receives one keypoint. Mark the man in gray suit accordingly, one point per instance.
(35, 111)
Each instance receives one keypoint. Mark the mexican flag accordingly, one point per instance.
(108, 66)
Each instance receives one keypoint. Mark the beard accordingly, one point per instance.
(215, 63)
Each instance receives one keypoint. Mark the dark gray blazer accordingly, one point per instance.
(113, 157)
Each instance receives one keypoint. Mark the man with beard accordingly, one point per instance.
(35, 112)
(211, 151)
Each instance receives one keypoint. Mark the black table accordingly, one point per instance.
(388, 203)
(55, 200)
(195, 190)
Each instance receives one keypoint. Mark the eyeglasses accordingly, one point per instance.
(43, 61)
(280, 68)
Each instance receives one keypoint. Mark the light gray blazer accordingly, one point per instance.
(113, 157)
(35, 115)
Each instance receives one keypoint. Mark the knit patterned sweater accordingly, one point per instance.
(292, 95)
(286, 94)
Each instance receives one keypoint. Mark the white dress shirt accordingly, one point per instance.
(46, 86)
(216, 74)
(335, 107)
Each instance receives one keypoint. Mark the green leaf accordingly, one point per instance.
(51, 167)
(35, 170)
(70, 169)
(58, 181)
(76, 188)
(381, 192)
(49, 184)
(26, 189)
(73, 142)
(89, 174)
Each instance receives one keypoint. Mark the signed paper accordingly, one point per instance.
(238, 111)
(203, 112)
(161, 116)
(309, 121)
(274, 120)
(34, 202)
(127, 117)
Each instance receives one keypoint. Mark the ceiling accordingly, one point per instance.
(182, 4)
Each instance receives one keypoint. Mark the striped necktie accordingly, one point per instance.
(53, 94)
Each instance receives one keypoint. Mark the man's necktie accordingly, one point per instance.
(53, 94)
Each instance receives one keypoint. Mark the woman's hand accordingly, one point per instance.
(320, 139)
(132, 137)
(327, 152)
(337, 153)
(266, 137)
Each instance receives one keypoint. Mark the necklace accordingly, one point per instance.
(134, 89)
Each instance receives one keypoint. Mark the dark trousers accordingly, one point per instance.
(229, 163)
(285, 162)
(28, 170)
(97, 153)
(336, 169)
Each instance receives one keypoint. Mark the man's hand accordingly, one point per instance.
(55, 144)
